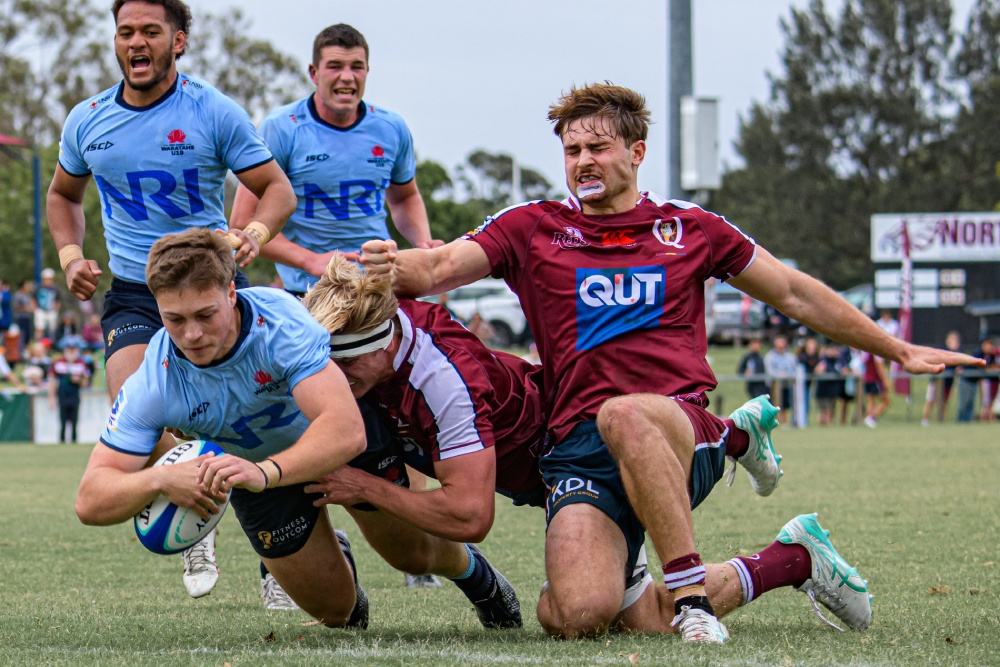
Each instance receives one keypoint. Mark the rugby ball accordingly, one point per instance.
(165, 528)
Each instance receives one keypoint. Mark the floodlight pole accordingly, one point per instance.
(36, 177)
(680, 85)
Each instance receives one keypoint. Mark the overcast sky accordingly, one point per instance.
(469, 74)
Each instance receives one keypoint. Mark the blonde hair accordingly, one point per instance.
(346, 300)
(624, 108)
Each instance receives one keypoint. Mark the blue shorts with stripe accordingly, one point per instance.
(580, 469)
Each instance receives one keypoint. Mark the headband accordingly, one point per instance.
(353, 345)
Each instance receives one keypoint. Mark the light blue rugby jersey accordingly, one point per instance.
(243, 402)
(340, 176)
(160, 169)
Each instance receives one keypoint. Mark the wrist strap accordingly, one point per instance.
(267, 480)
(69, 253)
(259, 231)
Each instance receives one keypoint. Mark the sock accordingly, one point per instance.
(738, 441)
(477, 581)
(695, 602)
(776, 566)
(684, 571)
(263, 570)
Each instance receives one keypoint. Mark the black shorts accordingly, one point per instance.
(131, 316)
(278, 521)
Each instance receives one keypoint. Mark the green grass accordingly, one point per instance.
(914, 509)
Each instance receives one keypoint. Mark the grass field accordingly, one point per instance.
(915, 509)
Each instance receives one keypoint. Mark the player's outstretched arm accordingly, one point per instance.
(275, 202)
(809, 301)
(461, 510)
(421, 272)
(115, 486)
(64, 208)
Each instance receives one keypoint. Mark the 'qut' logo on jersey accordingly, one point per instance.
(611, 302)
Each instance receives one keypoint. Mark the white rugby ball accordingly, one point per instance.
(165, 528)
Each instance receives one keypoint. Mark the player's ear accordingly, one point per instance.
(232, 293)
(638, 151)
(312, 73)
(180, 42)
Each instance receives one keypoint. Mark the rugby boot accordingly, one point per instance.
(834, 584)
(201, 572)
(422, 581)
(758, 418)
(275, 597)
(500, 609)
(359, 615)
(697, 625)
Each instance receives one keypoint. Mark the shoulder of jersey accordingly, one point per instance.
(291, 114)
(100, 100)
(535, 207)
(196, 88)
(376, 112)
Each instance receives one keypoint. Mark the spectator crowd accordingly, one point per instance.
(48, 347)
(842, 384)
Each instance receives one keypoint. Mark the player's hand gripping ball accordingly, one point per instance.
(165, 528)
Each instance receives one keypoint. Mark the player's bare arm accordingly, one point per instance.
(279, 249)
(421, 272)
(275, 202)
(409, 214)
(809, 301)
(64, 207)
(461, 510)
(336, 434)
(116, 485)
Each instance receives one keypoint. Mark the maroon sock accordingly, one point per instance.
(738, 441)
(776, 566)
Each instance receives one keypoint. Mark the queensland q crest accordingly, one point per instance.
(669, 232)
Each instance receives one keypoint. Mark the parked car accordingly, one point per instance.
(732, 314)
(497, 304)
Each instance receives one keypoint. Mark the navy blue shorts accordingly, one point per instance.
(383, 456)
(131, 316)
(279, 521)
(580, 469)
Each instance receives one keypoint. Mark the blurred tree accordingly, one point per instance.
(857, 123)
(485, 182)
(976, 146)
(251, 71)
(54, 53)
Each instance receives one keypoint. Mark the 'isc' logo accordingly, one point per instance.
(611, 302)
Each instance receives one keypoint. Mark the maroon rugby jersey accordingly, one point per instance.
(451, 395)
(616, 302)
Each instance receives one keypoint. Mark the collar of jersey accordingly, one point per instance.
(314, 112)
(120, 101)
(406, 344)
(246, 320)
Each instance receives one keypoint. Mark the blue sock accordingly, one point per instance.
(477, 581)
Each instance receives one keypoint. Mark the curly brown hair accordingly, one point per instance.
(624, 108)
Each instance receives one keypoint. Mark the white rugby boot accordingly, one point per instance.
(422, 581)
(758, 418)
(201, 572)
(697, 625)
(274, 595)
(834, 584)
